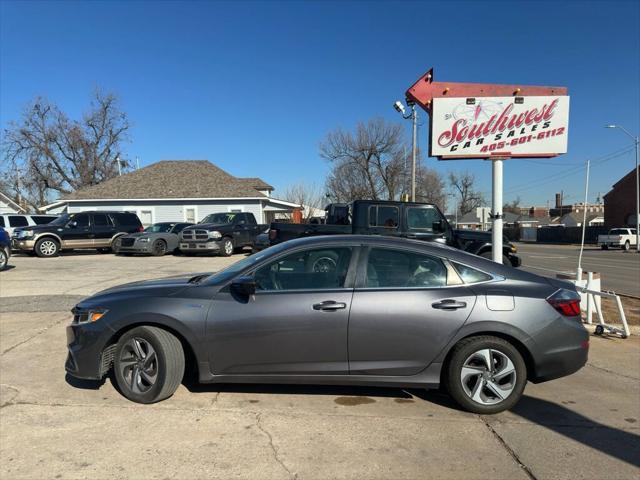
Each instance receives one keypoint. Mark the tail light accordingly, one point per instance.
(273, 233)
(567, 302)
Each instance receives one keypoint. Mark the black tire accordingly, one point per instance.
(3, 259)
(47, 247)
(604, 247)
(167, 369)
(159, 248)
(466, 349)
(626, 246)
(489, 255)
(227, 247)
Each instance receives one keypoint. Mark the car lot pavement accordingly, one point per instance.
(620, 270)
(584, 426)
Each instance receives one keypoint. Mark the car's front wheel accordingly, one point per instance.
(485, 374)
(627, 246)
(47, 247)
(3, 259)
(227, 247)
(148, 364)
(159, 248)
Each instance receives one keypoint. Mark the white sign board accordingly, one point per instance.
(482, 127)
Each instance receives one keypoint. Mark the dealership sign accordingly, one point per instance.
(482, 127)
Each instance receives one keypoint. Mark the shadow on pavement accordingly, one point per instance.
(84, 384)
(612, 441)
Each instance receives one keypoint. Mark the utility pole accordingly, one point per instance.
(636, 140)
(119, 168)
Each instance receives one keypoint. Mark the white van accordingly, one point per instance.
(9, 221)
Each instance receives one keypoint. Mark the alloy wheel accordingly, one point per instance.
(160, 247)
(3, 259)
(488, 376)
(139, 365)
(228, 247)
(48, 248)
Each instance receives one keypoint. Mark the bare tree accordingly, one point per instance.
(469, 198)
(49, 153)
(513, 206)
(430, 187)
(308, 196)
(367, 163)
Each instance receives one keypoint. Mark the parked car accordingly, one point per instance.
(345, 310)
(93, 229)
(221, 233)
(618, 237)
(156, 239)
(5, 248)
(12, 221)
(422, 221)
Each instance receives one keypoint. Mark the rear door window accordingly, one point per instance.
(18, 221)
(383, 216)
(402, 269)
(101, 220)
(471, 275)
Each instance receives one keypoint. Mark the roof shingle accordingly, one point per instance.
(173, 179)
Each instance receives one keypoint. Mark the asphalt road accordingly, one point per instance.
(620, 271)
(585, 426)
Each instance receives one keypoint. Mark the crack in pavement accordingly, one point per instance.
(611, 371)
(10, 387)
(291, 474)
(39, 332)
(508, 449)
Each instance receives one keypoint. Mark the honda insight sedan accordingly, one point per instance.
(337, 310)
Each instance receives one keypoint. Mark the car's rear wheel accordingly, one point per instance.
(627, 246)
(148, 365)
(489, 255)
(485, 374)
(227, 247)
(604, 247)
(47, 247)
(159, 248)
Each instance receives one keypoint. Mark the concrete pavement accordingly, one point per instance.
(583, 426)
(620, 270)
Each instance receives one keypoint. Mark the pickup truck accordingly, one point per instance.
(421, 221)
(618, 237)
(221, 233)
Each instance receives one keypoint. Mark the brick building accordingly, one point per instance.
(620, 202)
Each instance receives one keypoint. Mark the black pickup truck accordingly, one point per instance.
(221, 233)
(421, 221)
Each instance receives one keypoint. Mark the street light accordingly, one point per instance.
(414, 119)
(637, 143)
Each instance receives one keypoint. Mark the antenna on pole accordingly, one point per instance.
(137, 163)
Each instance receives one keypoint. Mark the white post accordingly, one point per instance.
(590, 299)
(584, 224)
(496, 210)
(414, 151)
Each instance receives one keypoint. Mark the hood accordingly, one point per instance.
(138, 234)
(207, 226)
(478, 235)
(163, 287)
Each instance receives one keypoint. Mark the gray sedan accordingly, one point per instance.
(157, 239)
(341, 310)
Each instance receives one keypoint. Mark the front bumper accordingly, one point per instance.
(24, 245)
(137, 247)
(87, 356)
(212, 246)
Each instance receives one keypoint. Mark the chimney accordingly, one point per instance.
(558, 200)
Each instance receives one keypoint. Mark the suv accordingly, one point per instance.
(76, 230)
(5, 249)
(11, 221)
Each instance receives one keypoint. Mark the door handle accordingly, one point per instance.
(449, 304)
(329, 306)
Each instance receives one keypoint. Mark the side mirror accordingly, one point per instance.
(72, 224)
(438, 227)
(243, 286)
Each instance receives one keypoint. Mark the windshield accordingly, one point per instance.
(62, 219)
(244, 264)
(159, 227)
(219, 218)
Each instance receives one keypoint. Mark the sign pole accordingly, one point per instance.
(496, 209)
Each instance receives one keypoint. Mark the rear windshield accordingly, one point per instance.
(126, 219)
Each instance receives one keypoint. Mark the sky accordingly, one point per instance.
(255, 86)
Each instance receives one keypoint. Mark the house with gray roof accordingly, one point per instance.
(176, 191)
(7, 205)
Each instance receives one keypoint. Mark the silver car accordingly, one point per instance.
(356, 310)
(157, 239)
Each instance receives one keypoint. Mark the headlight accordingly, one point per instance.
(514, 249)
(25, 233)
(215, 234)
(88, 316)
(143, 239)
